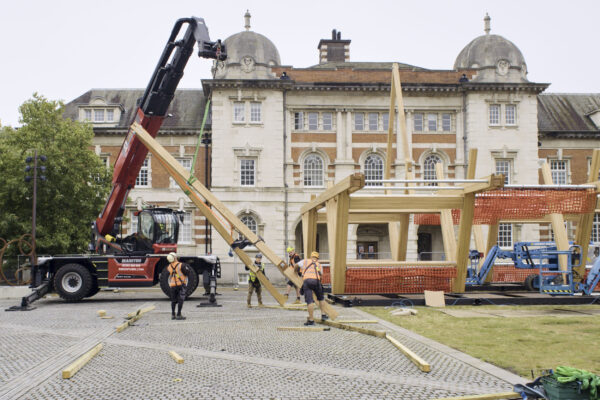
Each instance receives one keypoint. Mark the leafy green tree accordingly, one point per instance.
(76, 184)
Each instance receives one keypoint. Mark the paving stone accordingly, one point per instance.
(229, 352)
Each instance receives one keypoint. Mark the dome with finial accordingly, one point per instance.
(249, 56)
(496, 58)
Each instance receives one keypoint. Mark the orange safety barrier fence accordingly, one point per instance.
(509, 274)
(521, 203)
(376, 280)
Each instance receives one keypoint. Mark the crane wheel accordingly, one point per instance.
(531, 282)
(73, 282)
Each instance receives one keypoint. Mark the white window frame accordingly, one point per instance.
(239, 112)
(313, 173)
(446, 122)
(494, 115)
(418, 122)
(299, 120)
(327, 121)
(250, 222)
(313, 121)
(373, 121)
(145, 169)
(87, 114)
(385, 117)
(110, 115)
(504, 166)
(596, 229)
(373, 169)
(429, 168)
(186, 229)
(505, 236)
(559, 170)
(247, 172)
(359, 121)
(432, 122)
(255, 112)
(99, 115)
(510, 119)
(186, 163)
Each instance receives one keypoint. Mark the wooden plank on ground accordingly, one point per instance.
(123, 326)
(178, 359)
(359, 321)
(366, 331)
(72, 369)
(415, 359)
(489, 396)
(303, 328)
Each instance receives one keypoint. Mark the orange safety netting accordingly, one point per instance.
(509, 274)
(521, 203)
(375, 280)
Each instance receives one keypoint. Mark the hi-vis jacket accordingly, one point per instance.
(311, 270)
(176, 276)
(252, 275)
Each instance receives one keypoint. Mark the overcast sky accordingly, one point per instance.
(63, 48)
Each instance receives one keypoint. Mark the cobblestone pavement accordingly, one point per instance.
(229, 351)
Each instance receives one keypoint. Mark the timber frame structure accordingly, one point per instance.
(345, 205)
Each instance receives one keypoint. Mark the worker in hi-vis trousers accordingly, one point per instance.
(253, 282)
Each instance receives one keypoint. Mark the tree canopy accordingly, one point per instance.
(76, 184)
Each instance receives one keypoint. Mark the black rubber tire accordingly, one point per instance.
(78, 274)
(191, 286)
(529, 282)
(95, 288)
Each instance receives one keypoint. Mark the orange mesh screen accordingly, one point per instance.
(326, 279)
(508, 273)
(381, 280)
(514, 203)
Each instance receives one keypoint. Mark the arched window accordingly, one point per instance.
(373, 170)
(313, 170)
(429, 167)
(250, 222)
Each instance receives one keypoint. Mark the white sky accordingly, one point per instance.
(63, 48)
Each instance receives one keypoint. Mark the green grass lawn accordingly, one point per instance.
(518, 344)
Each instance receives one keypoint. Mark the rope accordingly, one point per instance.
(192, 177)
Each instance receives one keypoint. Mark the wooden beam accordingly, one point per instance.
(493, 182)
(72, 369)
(303, 328)
(366, 331)
(414, 358)
(309, 232)
(350, 184)
(446, 222)
(464, 240)
(477, 230)
(406, 203)
(364, 218)
(193, 190)
(558, 225)
(337, 234)
(583, 232)
(359, 321)
(178, 359)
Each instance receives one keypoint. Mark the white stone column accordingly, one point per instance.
(348, 134)
(340, 137)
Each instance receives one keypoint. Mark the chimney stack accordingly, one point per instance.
(334, 49)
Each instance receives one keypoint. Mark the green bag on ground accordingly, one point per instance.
(587, 379)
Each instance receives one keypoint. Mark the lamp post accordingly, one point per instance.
(28, 178)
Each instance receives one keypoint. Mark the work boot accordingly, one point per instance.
(173, 316)
(260, 304)
(249, 306)
(297, 301)
(309, 323)
(180, 317)
(324, 317)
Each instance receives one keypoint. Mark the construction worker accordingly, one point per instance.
(294, 260)
(178, 283)
(253, 282)
(311, 275)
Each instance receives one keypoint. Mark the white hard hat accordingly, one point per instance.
(171, 257)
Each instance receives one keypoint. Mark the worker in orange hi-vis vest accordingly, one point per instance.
(311, 276)
(178, 283)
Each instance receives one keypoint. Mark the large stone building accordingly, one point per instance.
(281, 134)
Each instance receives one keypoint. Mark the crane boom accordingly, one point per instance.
(153, 108)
